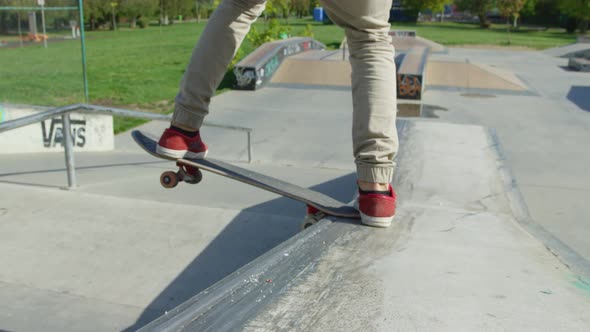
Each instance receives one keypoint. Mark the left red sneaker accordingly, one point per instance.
(177, 145)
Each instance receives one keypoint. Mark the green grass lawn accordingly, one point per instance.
(450, 34)
(141, 68)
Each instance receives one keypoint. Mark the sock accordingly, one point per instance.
(375, 192)
(185, 132)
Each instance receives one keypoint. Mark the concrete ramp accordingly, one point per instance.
(456, 259)
(577, 50)
(315, 68)
(465, 75)
(404, 44)
(310, 66)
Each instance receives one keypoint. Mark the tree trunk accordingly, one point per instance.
(114, 21)
(20, 34)
(584, 26)
(483, 20)
(508, 27)
(4, 22)
(134, 22)
(515, 25)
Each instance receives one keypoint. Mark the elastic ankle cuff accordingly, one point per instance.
(186, 120)
(374, 173)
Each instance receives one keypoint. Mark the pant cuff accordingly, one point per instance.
(377, 174)
(186, 119)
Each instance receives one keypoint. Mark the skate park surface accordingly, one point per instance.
(465, 252)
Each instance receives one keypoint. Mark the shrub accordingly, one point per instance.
(142, 22)
(272, 32)
(308, 32)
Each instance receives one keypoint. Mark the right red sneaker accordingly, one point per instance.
(377, 210)
(175, 144)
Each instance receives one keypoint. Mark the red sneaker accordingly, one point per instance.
(177, 145)
(377, 210)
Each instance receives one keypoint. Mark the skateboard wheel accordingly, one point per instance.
(168, 180)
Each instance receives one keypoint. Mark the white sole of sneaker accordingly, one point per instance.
(193, 155)
(177, 154)
(382, 222)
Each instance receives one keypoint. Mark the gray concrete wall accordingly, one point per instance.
(90, 132)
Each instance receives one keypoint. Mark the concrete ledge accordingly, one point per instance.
(255, 70)
(403, 33)
(231, 302)
(410, 73)
(579, 64)
(90, 132)
(454, 260)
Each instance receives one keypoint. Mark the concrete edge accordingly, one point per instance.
(229, 303)
(526, 93)
(570, 258)
(301, 86)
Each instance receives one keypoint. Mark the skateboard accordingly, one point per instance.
(189, 171)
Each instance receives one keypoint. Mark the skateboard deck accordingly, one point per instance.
(323, 203)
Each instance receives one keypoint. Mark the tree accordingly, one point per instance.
(135, 9)
(509, 9)
(529, 7)
(96, 12)
(541, 12)
(433, 5)
(277, 9)
(202, 9)
(8, 18)
(175, 8)
(300, 7)
(580, 9)
(479, 8)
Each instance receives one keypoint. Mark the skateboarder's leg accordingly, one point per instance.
(374, 134)
(217, 46)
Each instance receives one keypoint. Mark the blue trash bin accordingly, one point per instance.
(318, 14)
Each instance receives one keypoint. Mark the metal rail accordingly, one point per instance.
(65, 111)
(12, 8)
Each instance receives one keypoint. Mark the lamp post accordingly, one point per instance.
(42, 4)
(83, 47)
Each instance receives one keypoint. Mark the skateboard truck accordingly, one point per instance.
(185, 173)
(313, 216)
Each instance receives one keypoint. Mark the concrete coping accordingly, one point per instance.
(257, 68)
(265, 52)
(238, 297)
(579, 64)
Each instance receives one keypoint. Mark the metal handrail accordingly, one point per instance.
(343, 46)
(65, 111)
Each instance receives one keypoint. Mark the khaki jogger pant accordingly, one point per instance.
(365, 22)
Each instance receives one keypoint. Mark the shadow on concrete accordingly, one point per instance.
(81, 168)
(580, 95)
(243, 240)
(64, 171)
